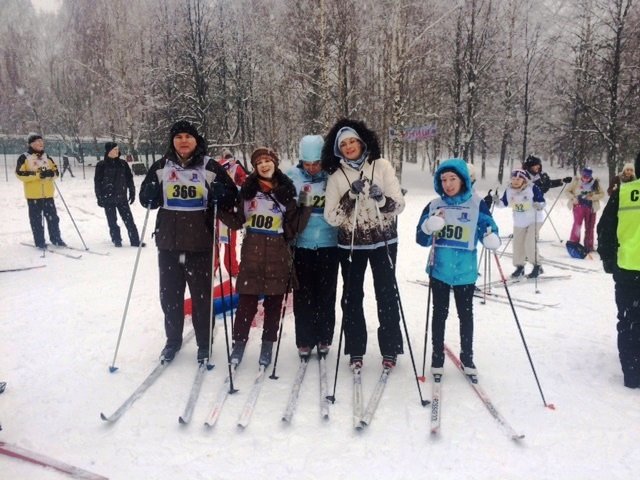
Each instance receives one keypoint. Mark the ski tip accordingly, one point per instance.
(422, 378)
(112, 369)
(517, 437)
(551, 406)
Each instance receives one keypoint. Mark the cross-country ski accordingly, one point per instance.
(482, 395)
(25, 455)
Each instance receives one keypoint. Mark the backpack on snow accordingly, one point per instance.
(576, 250)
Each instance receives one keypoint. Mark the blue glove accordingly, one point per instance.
(375, 192)
(357, 187)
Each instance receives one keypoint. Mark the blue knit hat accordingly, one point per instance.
(587, 172)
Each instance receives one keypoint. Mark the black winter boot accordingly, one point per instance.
(518, 272)
(169, 352)
(237, 352)
(535, 272)
(265, 353)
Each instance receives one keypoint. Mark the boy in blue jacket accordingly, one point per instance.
(452, 225)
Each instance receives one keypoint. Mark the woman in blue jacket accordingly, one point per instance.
(316, 254)
(452, 225)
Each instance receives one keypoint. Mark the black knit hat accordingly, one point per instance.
(182, 126)
(531, 161)
(638, 166)
(109, 146)
(33, 138)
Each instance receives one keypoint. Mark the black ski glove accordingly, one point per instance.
(567, 179)
(150, 192)
(132, 196)
(216, 192)
(46, 173)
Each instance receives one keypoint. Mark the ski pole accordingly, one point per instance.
(553, 205)
(345, 301)
(423, 402)
(212, 312)
(232, 390)
(428, 314)
(113, 368)
(554, 227)
(273, 375)
(70, 216)
(524, 342)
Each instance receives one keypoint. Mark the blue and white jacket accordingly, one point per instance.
(317, 233)
(467, 220)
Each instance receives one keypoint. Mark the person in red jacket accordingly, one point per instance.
(227, 236)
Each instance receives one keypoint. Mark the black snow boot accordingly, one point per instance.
(518, 272)
(203, 354)
(237, 352)
(169, 352)
(535, 272)
(265, 353)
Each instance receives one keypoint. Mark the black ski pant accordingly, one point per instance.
(177, 270)
(37, 209)
(384, 284)
(246, 312)
(64, 169)
(127, 218)
(463, 295)
(314, 302)
(628, 302)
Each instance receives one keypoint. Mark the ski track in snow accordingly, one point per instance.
(60, 323)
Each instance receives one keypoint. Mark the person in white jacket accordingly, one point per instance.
(363, 199)
(527, 202)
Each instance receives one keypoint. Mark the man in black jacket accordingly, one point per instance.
(115, 191)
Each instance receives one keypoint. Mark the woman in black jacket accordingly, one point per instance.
(115, 190)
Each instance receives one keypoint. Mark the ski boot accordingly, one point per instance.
(389, 361)
(469, 368)
(518, 272)
(265, 353)
(437, 363)
(355, 362)
(535, 272)
(237, 352)
(203, 354)
(169, 352)
(304, 353)
(323, 350)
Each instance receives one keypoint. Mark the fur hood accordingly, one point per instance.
(330, 162)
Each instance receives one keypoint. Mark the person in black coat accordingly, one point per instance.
(115, 191)
(619, 249)
(533, 166)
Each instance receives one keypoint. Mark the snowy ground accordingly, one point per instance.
(59, 326)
